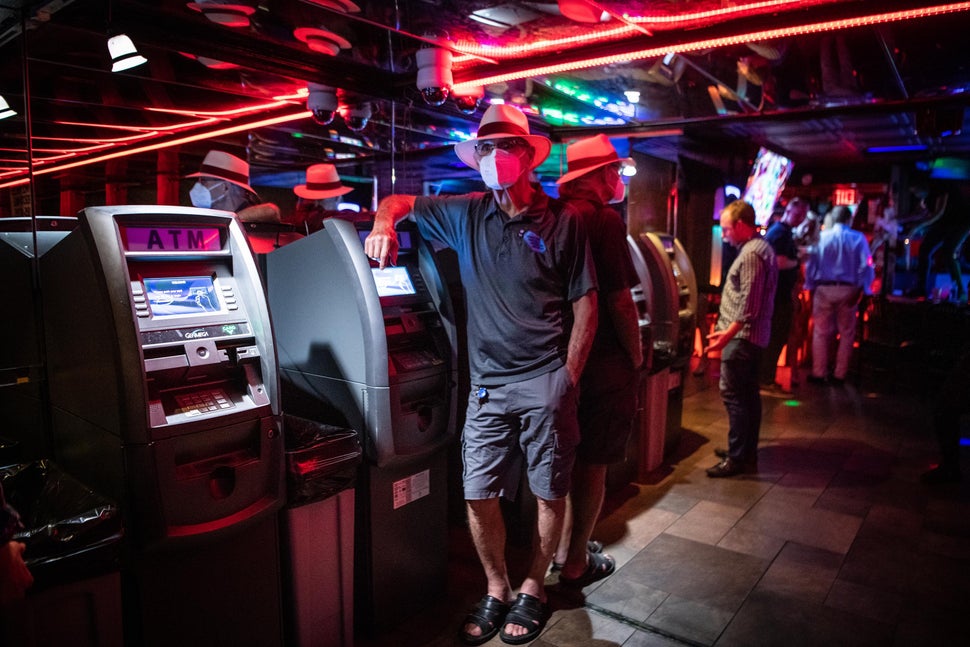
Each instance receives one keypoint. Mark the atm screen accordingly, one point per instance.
(393, 281)
(192, 295)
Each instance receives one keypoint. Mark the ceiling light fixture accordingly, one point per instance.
(124, 55)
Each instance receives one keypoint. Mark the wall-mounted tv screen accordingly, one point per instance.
(765, 183)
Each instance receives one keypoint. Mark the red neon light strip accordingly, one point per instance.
(139, 129)
(303, 114)
(833, 25)
(516, 51)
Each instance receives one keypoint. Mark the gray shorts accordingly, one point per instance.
(529, 424)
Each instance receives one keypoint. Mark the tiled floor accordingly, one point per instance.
(833, 542)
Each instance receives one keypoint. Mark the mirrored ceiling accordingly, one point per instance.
(851, 86)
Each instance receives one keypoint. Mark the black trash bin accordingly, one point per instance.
(73, 538)
(318, 532)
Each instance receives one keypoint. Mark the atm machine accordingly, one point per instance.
(668, 305)
(373, 350)
(21, 364)
(165, 397)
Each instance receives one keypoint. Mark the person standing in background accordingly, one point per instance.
(743, 330)
(781, 239)
(223, 183)
(608, 388)
(531, 294)
(838, 272)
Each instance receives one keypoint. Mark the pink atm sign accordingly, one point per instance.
(173, 239)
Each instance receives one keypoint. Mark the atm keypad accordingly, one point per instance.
(196, 404)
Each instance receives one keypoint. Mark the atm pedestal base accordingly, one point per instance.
(653, 421)
(222, 592)
(320, 572)
(402, 541)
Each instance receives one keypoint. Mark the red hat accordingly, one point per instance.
(225, 167)
(498, 122)
(589, 154)
(322, 181)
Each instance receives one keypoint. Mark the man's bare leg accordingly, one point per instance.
(488, 534)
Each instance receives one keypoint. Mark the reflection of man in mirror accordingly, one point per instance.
(319, 198)
(223, 183)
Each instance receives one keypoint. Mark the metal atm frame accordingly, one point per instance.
(667, 300)
(382, 362)
(165, 397)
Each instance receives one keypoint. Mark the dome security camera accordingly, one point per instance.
(356, 116)
(322, 103)
(467, 99)
(434, 75)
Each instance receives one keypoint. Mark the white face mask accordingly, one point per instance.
(202, 196)
(619, 191)
(500, 169)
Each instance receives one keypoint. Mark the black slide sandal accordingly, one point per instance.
(489, 616)
(526, 611)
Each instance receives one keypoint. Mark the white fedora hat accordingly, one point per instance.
(227, 14)
(589, 154)
(498, 122)
(343, 6)
(322, 181)
(321, 40)
(225, 167)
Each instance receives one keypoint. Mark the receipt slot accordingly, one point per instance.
(372, 350)
(164, 397)
(667, 301)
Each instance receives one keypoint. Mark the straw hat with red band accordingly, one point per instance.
(589, 154)
(224, 166)
(501, 121)
(322, 182)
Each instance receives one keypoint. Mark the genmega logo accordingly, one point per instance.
(197, 334)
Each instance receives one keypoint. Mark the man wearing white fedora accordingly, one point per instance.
(223, 183)
(608, 389)
(531, 298)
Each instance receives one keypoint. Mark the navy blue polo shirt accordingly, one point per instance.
(520, 277)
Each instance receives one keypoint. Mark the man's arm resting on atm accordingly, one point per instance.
(381, 244)
(581, 337)
(626, 322)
